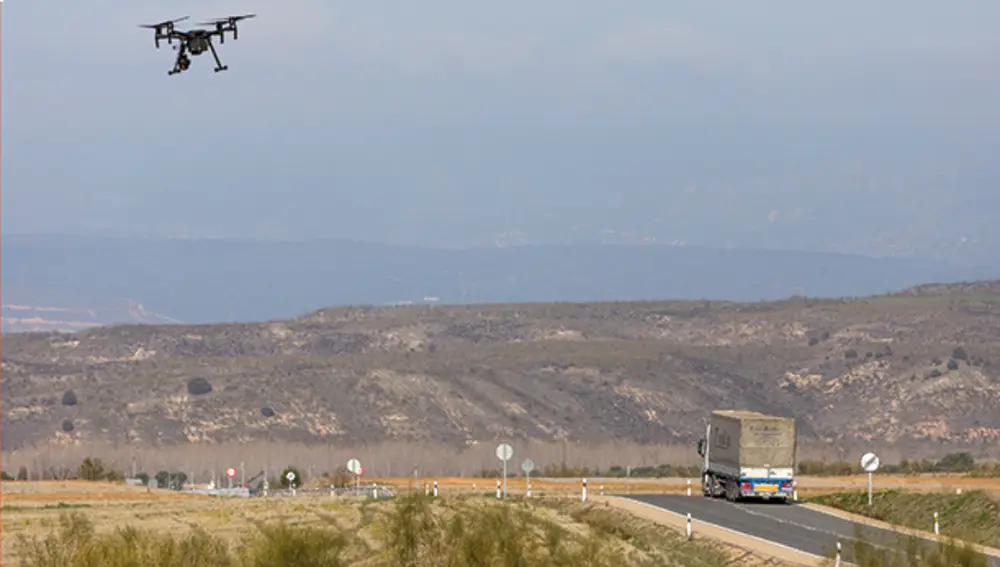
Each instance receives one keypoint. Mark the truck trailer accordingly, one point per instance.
(748, 455)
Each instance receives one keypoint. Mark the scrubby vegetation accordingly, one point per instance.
(412, 531)
(912, 552)
(962, 462)
(640, 373)
(972, 516)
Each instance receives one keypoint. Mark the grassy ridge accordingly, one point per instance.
(972, 516)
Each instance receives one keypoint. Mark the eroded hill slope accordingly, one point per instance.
(905, 369)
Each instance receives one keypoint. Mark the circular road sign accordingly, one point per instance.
(360, 471)
(290, 476)
(504, 452)
(354, 466)
(230, 472)
(527, 466)
(869, 462)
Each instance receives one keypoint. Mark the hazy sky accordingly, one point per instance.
(850, 125)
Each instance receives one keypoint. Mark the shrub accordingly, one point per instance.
(850, 354)
(162, 478)
(69, 398)
(956, 462)
(267, 411)
(952, 364)
(198, 386)
(960, 354)
(342, 477)
(67, 425)
(91, 469)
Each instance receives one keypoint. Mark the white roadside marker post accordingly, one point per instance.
(689, 525)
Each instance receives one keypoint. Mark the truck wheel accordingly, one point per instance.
(707, 483)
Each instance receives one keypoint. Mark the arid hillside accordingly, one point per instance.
(918, 368)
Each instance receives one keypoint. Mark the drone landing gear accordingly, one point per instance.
(218, 64)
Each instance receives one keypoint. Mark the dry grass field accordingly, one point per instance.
(367, 532)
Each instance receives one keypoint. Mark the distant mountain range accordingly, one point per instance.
(72, 282)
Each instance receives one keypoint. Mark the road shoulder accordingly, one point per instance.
(859, 519)
(678, 522)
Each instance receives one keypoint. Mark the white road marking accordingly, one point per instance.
(734, 532)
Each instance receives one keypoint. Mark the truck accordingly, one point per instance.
(748, 455)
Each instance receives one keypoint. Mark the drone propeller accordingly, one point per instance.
(162, 24)
(231, 20)
(169, 24)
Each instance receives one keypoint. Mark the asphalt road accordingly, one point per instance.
(794, 526)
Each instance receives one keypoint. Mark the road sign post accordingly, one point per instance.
(354, 467)
(527, 466)
(230, 473)
(504, 453)
(869, 462)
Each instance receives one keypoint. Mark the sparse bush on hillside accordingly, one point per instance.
(952, 364)
(198, 386)
(67, 425)
(69, 398)
(850, 354)
(960, 354)
(267, 411)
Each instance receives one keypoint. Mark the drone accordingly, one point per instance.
(195, 41)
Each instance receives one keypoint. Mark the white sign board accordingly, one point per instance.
(504, 452)
(354, 466)
(869, 462)
(527, 466)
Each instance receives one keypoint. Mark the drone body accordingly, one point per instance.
(195, 41)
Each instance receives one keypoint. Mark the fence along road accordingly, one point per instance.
(803, 529)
